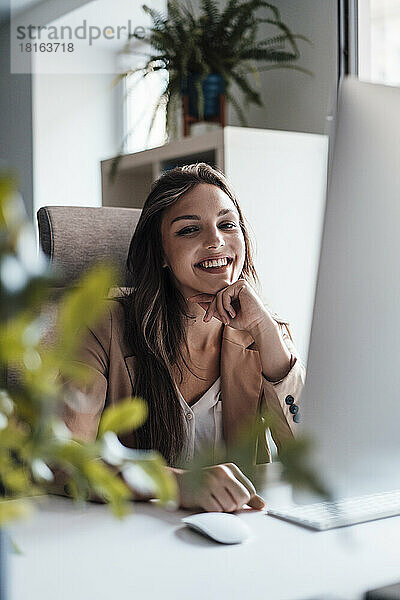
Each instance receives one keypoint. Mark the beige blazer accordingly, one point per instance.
(245, 391)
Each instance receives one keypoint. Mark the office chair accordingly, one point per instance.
(75, 238)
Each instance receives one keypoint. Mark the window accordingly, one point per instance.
(379, 41)
(142, 96)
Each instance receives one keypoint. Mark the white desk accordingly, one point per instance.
(86, 554)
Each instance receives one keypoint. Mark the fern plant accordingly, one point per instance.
(225, 42)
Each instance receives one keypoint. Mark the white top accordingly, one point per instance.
(203, 422)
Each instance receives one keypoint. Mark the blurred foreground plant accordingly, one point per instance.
(34, 442)
(295, 458)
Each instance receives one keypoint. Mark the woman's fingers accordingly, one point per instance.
(239, 493)
(234, 483)
(255, 501)
(232, 489)
(220, 308)
(224, 491)
(209, 503)
(204, 305)
(242, 478)
(227, 304)
(219, 305)
(209, 303)
(210, 312)
(225, 298)
(224, 314)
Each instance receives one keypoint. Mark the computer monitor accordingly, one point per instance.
(351, 400)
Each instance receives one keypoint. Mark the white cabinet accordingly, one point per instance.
(280, 180)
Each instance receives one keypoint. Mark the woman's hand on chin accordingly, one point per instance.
(236, 305)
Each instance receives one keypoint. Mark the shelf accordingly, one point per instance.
(138, 170)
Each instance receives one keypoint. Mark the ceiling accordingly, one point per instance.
(17, 5)
(20, 6)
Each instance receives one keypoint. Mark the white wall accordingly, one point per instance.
(16, 97)
(78, 118)
(15, 121)
(295, 101)
(74, 127)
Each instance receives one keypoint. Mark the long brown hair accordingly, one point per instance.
(156, 313)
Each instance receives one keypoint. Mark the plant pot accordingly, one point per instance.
(213, 100)
(213, 87)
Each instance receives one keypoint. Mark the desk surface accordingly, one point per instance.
(74, 553)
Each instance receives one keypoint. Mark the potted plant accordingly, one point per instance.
(205, 55)
(36, 448)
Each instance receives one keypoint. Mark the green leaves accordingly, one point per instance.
(39, 343)
(108, 486)
(10, 510)
(83, 306)
(143, 470)
(123, 417)
(294, 457)
(165, 483)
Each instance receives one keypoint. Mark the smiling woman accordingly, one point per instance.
(193, 338)
(203, 242)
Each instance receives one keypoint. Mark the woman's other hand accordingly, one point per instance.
(236, 305)
(225, 489)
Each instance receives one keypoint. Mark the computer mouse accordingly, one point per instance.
(219, 526)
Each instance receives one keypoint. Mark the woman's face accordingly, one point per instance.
(199, 229)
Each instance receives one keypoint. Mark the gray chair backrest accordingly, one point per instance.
(76, 237)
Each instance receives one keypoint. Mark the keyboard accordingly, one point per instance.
(349, 511)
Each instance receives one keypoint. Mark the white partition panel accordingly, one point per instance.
(280, 180)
